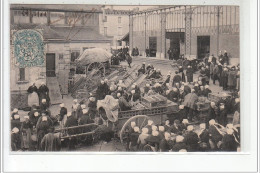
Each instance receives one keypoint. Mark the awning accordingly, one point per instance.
(125, 37)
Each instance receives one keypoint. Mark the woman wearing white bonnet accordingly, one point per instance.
(33, 98)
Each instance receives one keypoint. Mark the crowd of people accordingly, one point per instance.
(182, 137)
(216, 132)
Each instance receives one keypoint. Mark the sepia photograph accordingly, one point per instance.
(124, 78)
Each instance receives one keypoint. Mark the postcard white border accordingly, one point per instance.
(162, 162)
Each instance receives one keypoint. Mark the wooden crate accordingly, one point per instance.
(154, 101)
(172, 107)
(215, 97)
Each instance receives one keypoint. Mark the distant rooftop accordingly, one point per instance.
(58, 7)
(74, 34)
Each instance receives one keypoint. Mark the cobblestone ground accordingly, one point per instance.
(115, 145)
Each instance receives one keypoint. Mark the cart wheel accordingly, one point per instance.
(140, 120)
(96, 68)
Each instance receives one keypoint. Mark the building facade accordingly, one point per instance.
(64, 32)
(188, 30)
(114, 24)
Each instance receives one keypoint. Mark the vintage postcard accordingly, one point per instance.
(113, 78)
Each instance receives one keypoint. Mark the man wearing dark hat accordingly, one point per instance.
(142, 69)
(123, 104)
(176, 79)
(222, 114)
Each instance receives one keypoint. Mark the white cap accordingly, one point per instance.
(148, 85)
(26, 117)
(167, 84)
(237, 100)
(150, 122)
(190, 128)
(196, 84)
(84, 111)
(143, 62)
(188, 66)
(118, 95)
(42, 83)
(16, 116)
(136, 129)
(119, 88)
(182, 150)
(62, 105)
(43, 100)
(83, 106)
(179, 139)
(36, 114)
(161, 128)
(212, 122)
(206, 86)
(69, 114)
(133, 86)
(167, 92)
(159, 70)
(167, 135)
(225, 94)
(133, 91)
(133, 124)
(175, 89)
(154, 128)
(102, 82)
(44, 118)
(230, 131)
(181, 107)
(15, 130)
(155, 133)
(75, 100)
(145, 130)
(192, 90)
(186, 84)
(15, 110)
(120, 81)
(92, 99)
(203, 126)
(201, 87)
(185, 121)
(106, 80)
(212, 103)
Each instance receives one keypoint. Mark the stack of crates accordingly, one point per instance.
(154, 101)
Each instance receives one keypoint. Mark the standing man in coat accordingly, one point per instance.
(43, 92)
(190, 101)
(129, 59)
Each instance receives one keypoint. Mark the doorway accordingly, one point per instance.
(50, 65)
(153, 46)
(203, 45)
(173, 46)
